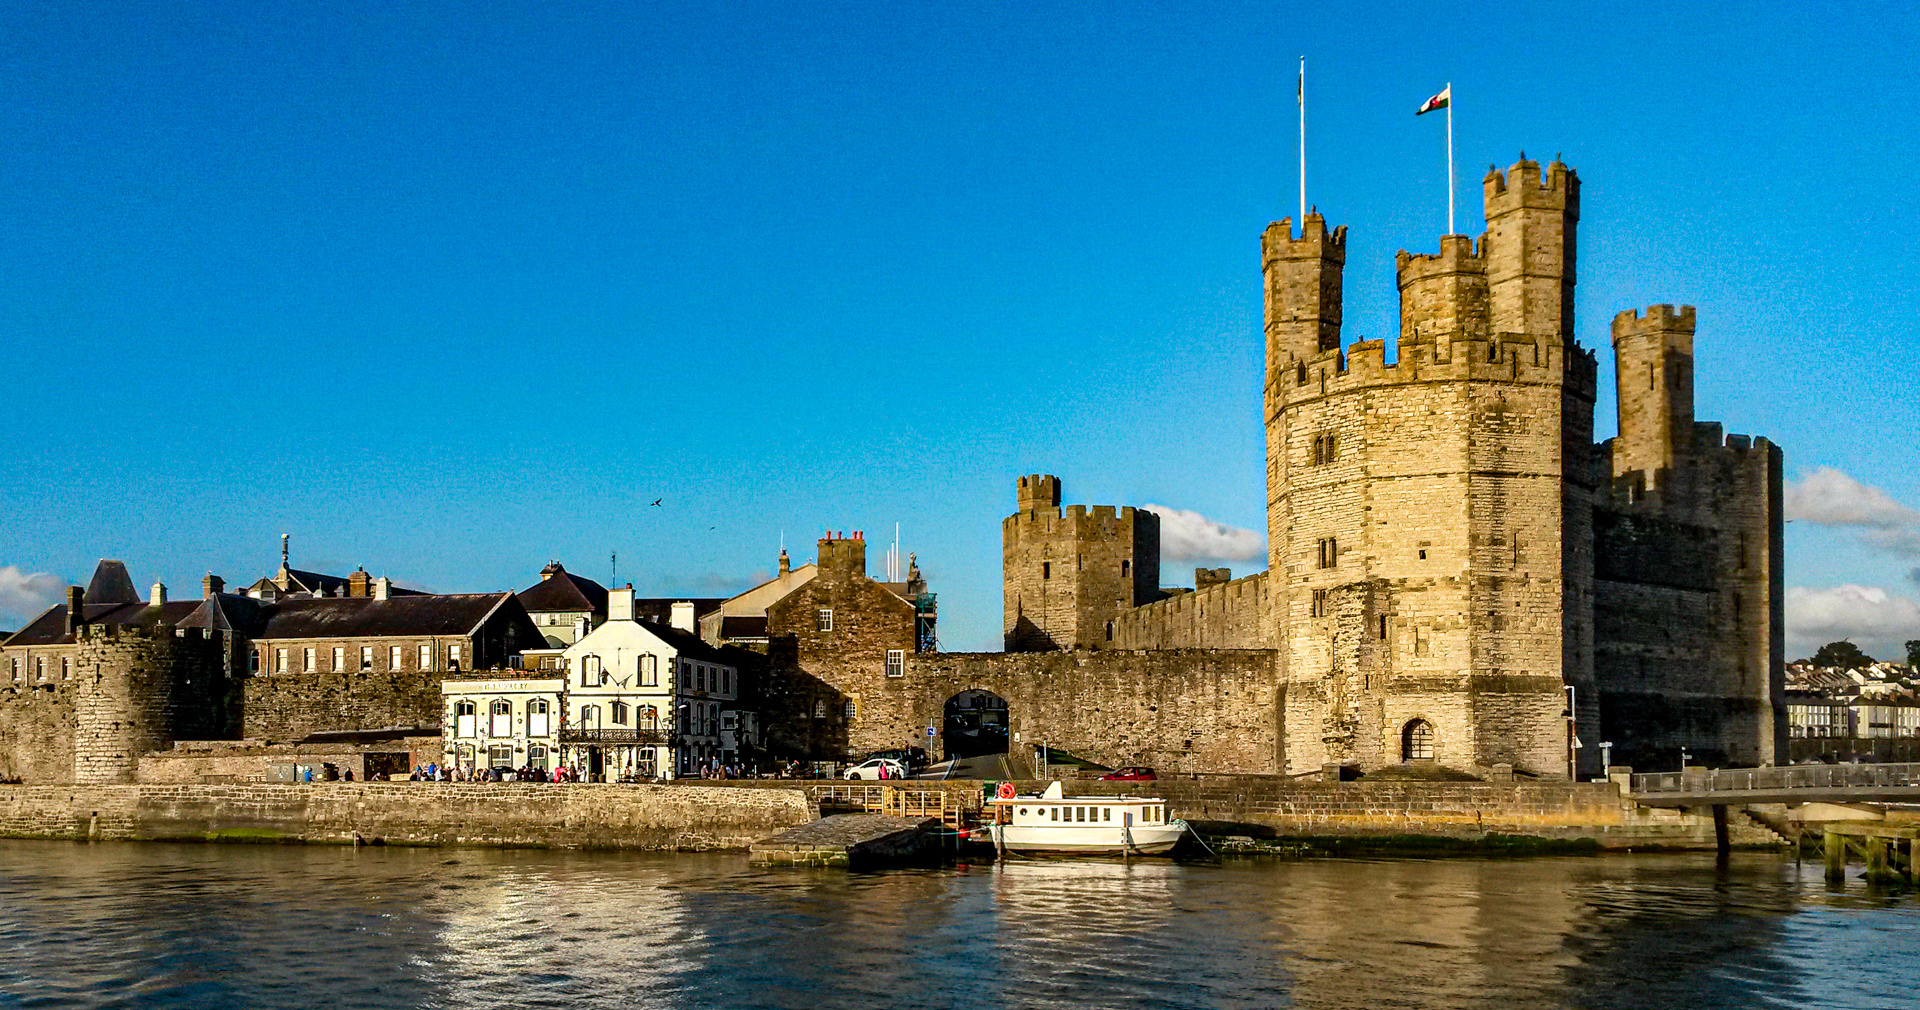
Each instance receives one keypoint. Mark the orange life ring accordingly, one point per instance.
(1005, 791)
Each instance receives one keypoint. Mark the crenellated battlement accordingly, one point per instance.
(1525, 185)
(1458, 254)
(1656, 319)
(1313, 241)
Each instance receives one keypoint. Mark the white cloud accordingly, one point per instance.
(1877, 621)
(24, 597)
(1828, 497)
(1190, 535)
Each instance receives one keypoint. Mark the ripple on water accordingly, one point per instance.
(218, 926)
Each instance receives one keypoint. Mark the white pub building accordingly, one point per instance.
(645, 700)
(502, 723)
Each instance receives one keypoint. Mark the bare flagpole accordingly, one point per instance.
(1302, 96)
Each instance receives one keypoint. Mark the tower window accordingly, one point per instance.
(1046, 569)
(1329, 552)
(1383, 627)
(1109, 631)
(1323, 450)
(1318, 607)
(1126, 567)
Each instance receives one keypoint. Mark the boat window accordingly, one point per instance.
(1079, 813)
(1054, 813)
(1023, 811)
(1106, 813)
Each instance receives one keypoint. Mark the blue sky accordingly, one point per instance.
(448, 291)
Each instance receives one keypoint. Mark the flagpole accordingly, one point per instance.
(1450, 200)
(1303, 146)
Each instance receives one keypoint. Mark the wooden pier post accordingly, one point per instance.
(1836, 856)
(1876, 847)
(1722, 844)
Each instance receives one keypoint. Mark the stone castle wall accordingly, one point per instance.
(294, 705)
(36, 731)
(1186, 710)
(1224, 615)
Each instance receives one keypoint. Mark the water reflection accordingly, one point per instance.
(217, 926)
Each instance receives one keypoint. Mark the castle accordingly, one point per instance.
(1456, 572)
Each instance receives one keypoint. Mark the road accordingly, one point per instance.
(984, 766)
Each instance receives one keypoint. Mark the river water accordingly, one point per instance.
(211, 926)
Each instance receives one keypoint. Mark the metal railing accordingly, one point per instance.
(572, 734)
(1753, 780)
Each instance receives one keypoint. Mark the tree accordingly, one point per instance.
(1913, 652)
(1843, 654)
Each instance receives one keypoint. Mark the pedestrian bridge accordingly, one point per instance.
(1793, 785)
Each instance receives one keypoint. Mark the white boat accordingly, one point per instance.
(1087, 825)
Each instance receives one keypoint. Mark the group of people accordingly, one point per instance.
(435, 772)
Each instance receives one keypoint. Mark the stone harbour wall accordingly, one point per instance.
(574, 815)
(1289, 808)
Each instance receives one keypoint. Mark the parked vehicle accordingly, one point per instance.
(873, 768)
(1131, 773)
(915, 758)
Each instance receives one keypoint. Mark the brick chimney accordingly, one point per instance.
(212, 586)
(76, 609)
(359, 584)
(844, 556)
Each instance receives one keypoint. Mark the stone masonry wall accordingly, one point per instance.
(291, 706)
(1070, 573)
(136, 690)
(1185, 710)
(36, 732)
(1226, 615)
(410, 813)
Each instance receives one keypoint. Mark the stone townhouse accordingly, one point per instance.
(645, 700)
(838, 645)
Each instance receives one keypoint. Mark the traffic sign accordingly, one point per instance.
(929, 730)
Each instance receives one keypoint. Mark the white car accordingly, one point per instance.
(870, 769)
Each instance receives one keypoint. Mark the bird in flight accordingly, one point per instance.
(656, 502)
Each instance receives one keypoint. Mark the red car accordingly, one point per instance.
(1133, 773)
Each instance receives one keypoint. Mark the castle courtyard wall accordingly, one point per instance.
(292, 706)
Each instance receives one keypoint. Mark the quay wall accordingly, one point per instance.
(579, 815)
(1291, 808)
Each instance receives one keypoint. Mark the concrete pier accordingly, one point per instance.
(854, 841)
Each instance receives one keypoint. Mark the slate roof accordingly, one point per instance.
(687, 644)
(564, 591)
(400, 616)
(660, 609)
(50, 628)
(112, 584)
(743, 627)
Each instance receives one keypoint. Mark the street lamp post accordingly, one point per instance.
(1573, 735)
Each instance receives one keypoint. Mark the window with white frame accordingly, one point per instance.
(339, 659)
(591, 674)
(66, 668)
(279, 660)
(649, 670)
(13, 666)
(896, 662)
(589, 717)
(502, 721)
(453, 657)
(619, 713)
(393, 657)
(366, 657)
(426, 657)
(463, 720)
(537, 718)
(823, 619)
(309, 654)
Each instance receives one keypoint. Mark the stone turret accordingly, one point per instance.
(1069, 573)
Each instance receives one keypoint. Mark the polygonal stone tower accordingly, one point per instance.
(1430, 520)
